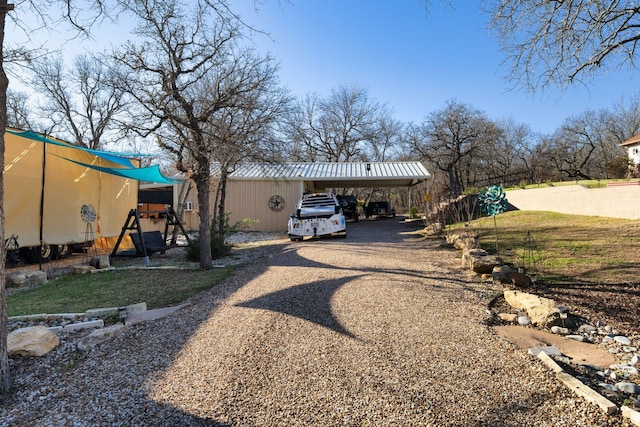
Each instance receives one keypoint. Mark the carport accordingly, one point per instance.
(265, 193)
(323, 175)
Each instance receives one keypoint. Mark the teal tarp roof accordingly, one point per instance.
(150, 173)
(128, 170)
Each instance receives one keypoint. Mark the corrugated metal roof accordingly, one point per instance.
(333, 171)
(334, 175)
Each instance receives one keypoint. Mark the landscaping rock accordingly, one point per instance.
(622, 340)
(16, 280)
(524, 320)
(480, 261)
(520, 280)
(627, 387)
(35, 278)
(31, 341)
(508, 317)
(99, 336)
(541, 311)
(560, 331)
(501, 274)
(464, 240)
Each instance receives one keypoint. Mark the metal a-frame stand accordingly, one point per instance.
(133, 223)
(172, 219)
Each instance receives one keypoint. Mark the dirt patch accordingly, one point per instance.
(579, 352)
(615, 304)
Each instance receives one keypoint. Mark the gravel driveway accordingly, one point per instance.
(382, 328)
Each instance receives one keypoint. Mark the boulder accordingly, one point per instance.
(480, 261)
(433, 229)
(83, 269)
(99, 336)
(35, 278)
(31, 341)
(501, 274)
(100, 261)
(541, 311)
(16, 280)
(464, 240)
(520, 280)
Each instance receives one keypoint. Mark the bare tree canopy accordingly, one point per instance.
(197, 91)
(451, 140)
(19, 113)
(342, 127)
(561, 42)
(82, 102)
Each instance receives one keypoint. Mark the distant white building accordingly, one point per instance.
(633, 146)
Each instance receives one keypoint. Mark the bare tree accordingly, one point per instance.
(507, 159)
(245, 130)
(82, 102)
(584, 147)
(5, 375)
(19, 114)
(449, 139)
(338, 128)
(81, 16)
(625, 121)
(386, 138)
(300, 131)
(560, 42)
(186, 73)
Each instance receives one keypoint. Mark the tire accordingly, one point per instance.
(37, 254)
(61, 251)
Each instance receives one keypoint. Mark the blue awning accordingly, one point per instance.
(149, 173)
(128, 170)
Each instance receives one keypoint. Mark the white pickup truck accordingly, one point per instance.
(317, 214)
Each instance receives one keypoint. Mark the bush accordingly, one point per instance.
(219, 249)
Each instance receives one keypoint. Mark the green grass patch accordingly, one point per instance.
(563, 246)
(78, 293)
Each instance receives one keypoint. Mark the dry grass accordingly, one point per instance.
(565, 247)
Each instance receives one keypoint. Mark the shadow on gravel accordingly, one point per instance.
(83, 380)
(310, 301)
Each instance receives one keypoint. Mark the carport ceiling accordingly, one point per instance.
(362, 183)
(338, 175)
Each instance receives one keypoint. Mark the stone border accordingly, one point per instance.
(585, 391)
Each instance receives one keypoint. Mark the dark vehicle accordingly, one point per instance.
(379, 209)
(349, 207)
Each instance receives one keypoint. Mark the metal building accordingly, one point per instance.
(267, 193)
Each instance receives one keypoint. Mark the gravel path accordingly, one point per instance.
(379, 329)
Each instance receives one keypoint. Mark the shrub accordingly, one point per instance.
(219, 249)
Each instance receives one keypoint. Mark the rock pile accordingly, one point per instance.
(619, 381)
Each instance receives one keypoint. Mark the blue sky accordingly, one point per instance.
(412, 60)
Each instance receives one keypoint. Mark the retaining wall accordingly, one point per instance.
(621, 201)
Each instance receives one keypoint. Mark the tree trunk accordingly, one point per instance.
(203, 185)
(5, 375)
(221, 213)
